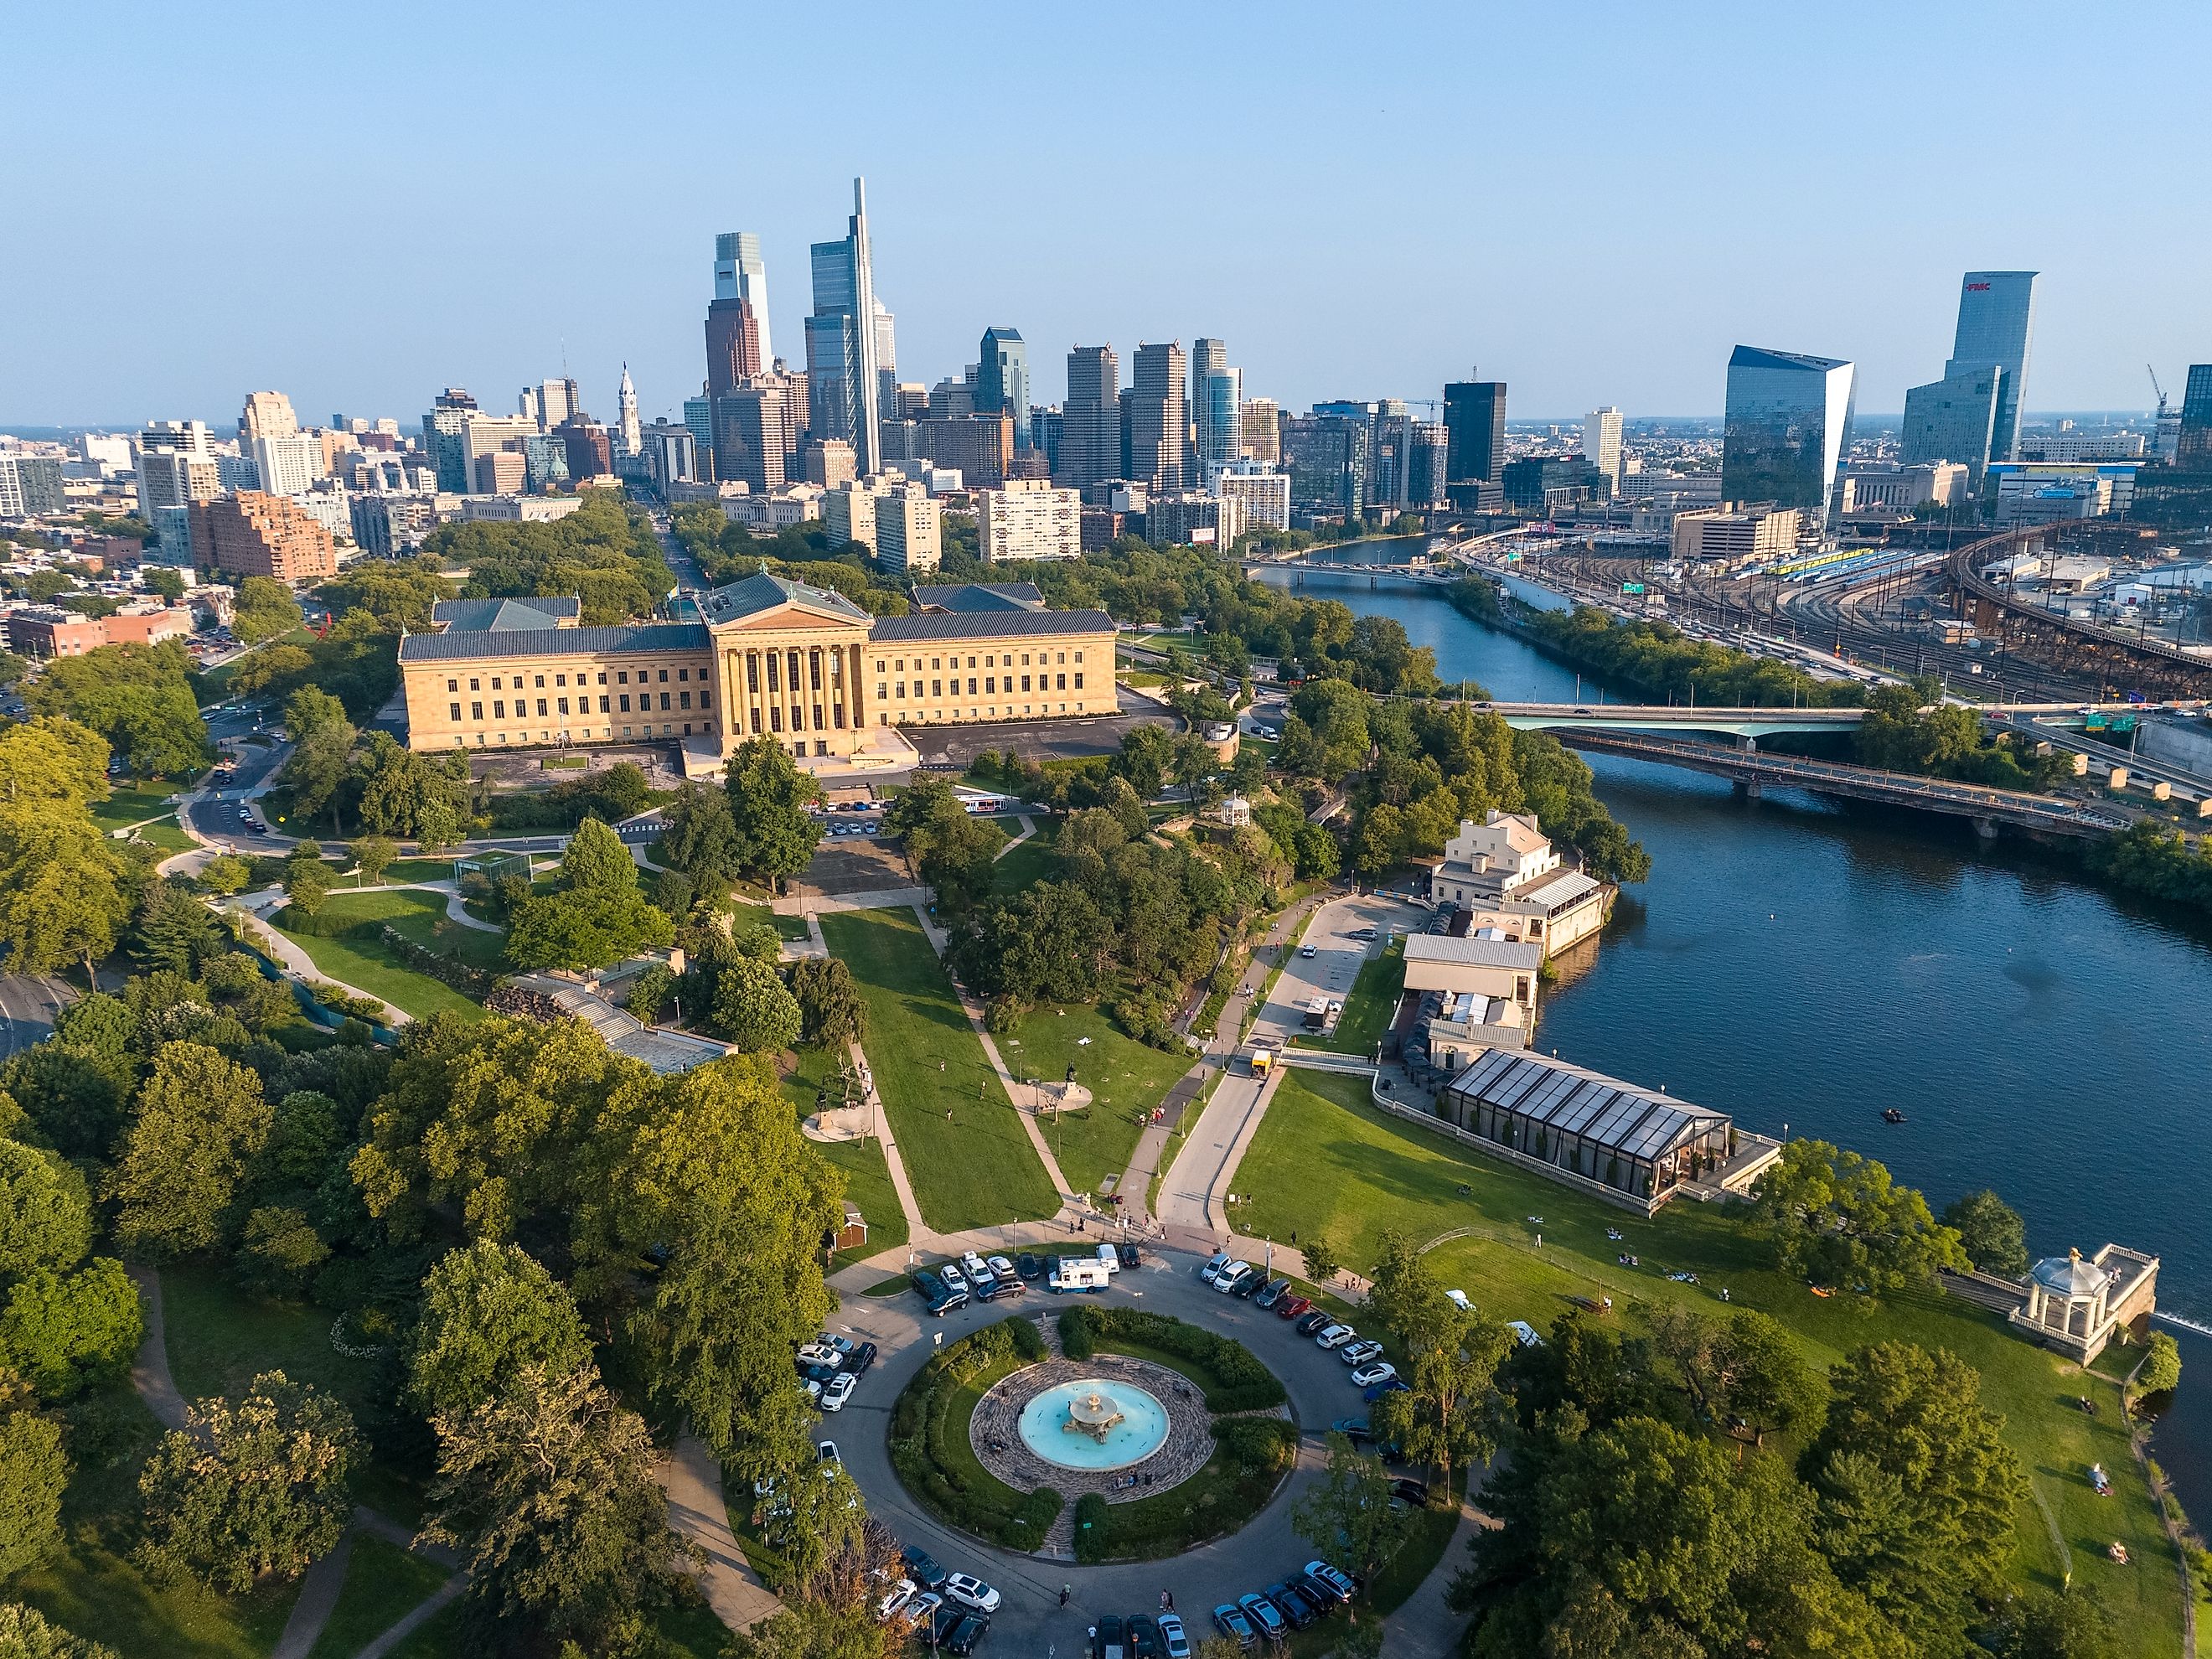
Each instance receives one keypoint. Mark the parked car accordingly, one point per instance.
(1291, 1607)
(858, 1361)
(1335, 1336)
(1458, 1299)
(1293, 1307)
(1354, 1429)
(1145, 1638)
(970, 1591)
(1250, 1285)
(1406, 1490)
(1264, 1615)
(1214, 1264)
(1272, 1292)
(1130, 1254)
(820, 1353)
(1231, 1621)
(838, 1390)
(1309, 950)
(921, 1567)
(1314, 1321)
(1029, 1266)
(896, 1598)
(1375, 1391)
(922, 1611)
(1524, 1333)
(1173, 1637)
(1231, 1276)
(1108, 1640)
(1359, 1353)
(951, 1274)
(1001, 1267)
(972, 1264)
(826, 1451)
(1322, 1595)
(942, 1297)
(1339, 1583)
(954, 1631)
(1312, 1599)
(1109, 1258)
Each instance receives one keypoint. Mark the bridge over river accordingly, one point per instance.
(1758, 722)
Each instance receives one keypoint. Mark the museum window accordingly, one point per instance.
(683, 674)
(664, 696)
(684, 699)
(1062, 686)
(625, 703)
(776, 718)
(560, 679)
(453, 685)
(473, 685)
(705, 698)
(936, 688)
(755, 714)
(541, 702)
(540, 679)
(475, 711)
(453, 711)
(563, 702)
(883, 691)
(1079, 682)
(664, 677)
(602, 705)
(498, 710)
(622, 677)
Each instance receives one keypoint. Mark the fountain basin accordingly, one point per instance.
(1094, 1423)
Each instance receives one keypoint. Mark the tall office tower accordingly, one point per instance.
(176, 466)
(1216, 398)
(2192, 447)
(1330, 457)
(633, 434)
(1954, 419)
(1159, 419)
(886, 360)
(1390, 443)
(1602, 443)
(733, 348)
(1425, 466)
(757, 431)
(551, 403)
(740, 274)
(441, 439)
(1788, 417)
(1997, 324)
(1261, 424)
(1090, 420)
(843, 341)
(1002, 379)
(287, 463)
(1474, 425)
(1044, 434)
(267, 414)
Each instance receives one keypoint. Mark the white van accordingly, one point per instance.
(1073, 1275)
(1109, 1259)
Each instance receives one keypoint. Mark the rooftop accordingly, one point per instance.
(456, 647)
(1472, 952)
(987, 624)
(978, 596)
(751, 595)
(485, 616)
(1568, 1100)
(1566, 887)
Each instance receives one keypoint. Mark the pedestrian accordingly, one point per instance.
(1063, 1594)
(948, 1114)
(1170, 1595)
(1294, 1238)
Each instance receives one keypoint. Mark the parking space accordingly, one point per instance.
(852, 863)
(1332, 936)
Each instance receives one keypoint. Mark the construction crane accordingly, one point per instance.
(2156, 387)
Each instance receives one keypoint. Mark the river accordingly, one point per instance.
(1794, 960)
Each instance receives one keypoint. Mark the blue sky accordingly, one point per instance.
(360, 205)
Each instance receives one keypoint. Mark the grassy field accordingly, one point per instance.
(867, 1176)
(1126, 1079)
(965, 1150)
(1368, 1006)
(751, 916)
(132, 803)
(421, 917)
(1026, 865)
(1324, 1158)
(383, 1582)
(419, 870)
(373, 967)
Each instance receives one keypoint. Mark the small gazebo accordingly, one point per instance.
(2069, 1295)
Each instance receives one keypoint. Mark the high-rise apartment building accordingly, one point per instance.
(2192, 447)
(757, 430)
(1788, 417)
(909, 536)
(1029, 518)
(591, 455)
(254, 533)
(844, 338)
(671, 454)
(741, 274)
(1158, 417)
(1330, 458)
(1997, 325)
(981, 447)
(551, 403)
(30, 485)
(1002, 379)
(1264, 490)
(441, 439)
(1090, 421)
(1602, 443)
(266, 414)
(286, 463)
(176, 467)
(1475, 424)
(828, 461)
(1215, 404)
(485, 435)
(1261, 423)
(1425, 464)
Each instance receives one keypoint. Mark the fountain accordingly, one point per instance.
(1093, 1423)
(1094, 1413)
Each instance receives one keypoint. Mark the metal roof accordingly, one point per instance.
(499, 645)
(979, 596)
(985, 624)
(1568, 1100)
(1565, 887)
(1473, 952)
(479, 615)
(753, 594)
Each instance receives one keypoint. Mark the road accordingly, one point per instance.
(28, 1005)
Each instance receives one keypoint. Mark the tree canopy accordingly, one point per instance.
(768, 797)
(1838, 1219)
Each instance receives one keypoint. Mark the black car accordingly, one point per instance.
(942, 1297)
(1406, 1490)
(1313, 1322)
(1130, 1254)
(861, 1359)
(922, 1568)
(1307, 1592)
(821, 1374)
(1106, 1640)
(1292, 1608)
(1276, 1289)
(954, 1629)
(1029, 1266)
(1145, 1639)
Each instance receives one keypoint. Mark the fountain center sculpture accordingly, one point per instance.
(1094, 1413)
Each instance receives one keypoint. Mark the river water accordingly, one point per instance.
(1795, 961)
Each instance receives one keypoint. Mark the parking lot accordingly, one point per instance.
(1338, 953)
(852, 863)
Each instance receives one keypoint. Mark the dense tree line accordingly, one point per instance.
(605, 551)
(64, 887)
(1910, 728)
(139, 697)
(728, 552)
(356, 658)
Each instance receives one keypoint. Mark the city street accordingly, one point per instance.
(28, 1005)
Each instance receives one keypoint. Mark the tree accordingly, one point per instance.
(831, 1011)
(264, 608)
(64, 1331)
(1441, 1418)
(61, 897)
(753, 1009)
(45, 1213)
(584, 928)
(652, 991)
(73, 1095)
(1837, 1218)
(2162, 1366)
(547, 1491)
(373, 855)
(169, 584)
(1322, 1262)
(322, 753)
(139, 697)
(596, 861)
(1348, 1515)
(768, 797)
(250, 1490)
(405, 793)
(307, 883)
(200, 1121)
(491, 1311)
(700, 841)
(2050, 1624)
(24, 1634)
(34, 1470)
(1146, 753)
(1991, 1232)
(226, 874)
(174, 930)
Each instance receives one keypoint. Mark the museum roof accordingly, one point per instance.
(978, 596)
(752, 595)
(486, 615)
(552, 643)
(987, 624)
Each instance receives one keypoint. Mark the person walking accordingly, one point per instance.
(1063, 1594)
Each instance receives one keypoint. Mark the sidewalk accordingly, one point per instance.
(294, 960)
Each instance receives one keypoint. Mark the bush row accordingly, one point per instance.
(450, 971)
(947, 1478)
(1233, 1379)
(1251, 1455)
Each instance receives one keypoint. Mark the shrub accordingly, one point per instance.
(1029, 1340)
(945, 1477)
(1093, 1527)
(1079, 1338)
(1233, 1379)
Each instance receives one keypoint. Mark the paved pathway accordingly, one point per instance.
(1028, 829)
(318, 1601)
(417, 1616)
(692, 1480)
(149, 1371)
(257, 909)
(884, 898)
(1424, 1628)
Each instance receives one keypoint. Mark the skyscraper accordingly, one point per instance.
(1261, 424)
(1090, 422)
(843, 336)
(1788, 417)
(1159, 419)
(1954, 419)
(266, 414)
(2193, 449)
(1601, 443)
(1216, 400)
(1474, 428)
(441, 439)
(1002, 379)
(633, 434)
(1997, 324)
(733, 344)
(740, 274)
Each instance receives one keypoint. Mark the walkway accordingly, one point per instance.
(692, 1480)
(256, 908)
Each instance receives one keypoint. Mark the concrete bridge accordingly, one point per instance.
(1753, 769)
(1750, 722)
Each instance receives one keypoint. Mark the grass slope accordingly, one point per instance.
(868, 1175)
(370, 964)
(1126, 1079)
(1024, 865)
(383, 1583)
(1325, 1158)
(965, 1150)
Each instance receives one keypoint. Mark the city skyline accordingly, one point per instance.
(1633, 303)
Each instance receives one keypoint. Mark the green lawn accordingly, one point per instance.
(1126, 1079)
(441, 1635)
(965, 1150)
(1024, 865)
(370, 964)
(1368, 1006)
(419, 870)
(867, 1176)
(421, 916)
(759, 916)
(383, 1583)
(1325, 1158)
(133, 803)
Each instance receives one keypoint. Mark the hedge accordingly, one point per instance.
(951, 1485)
(1233, 1379)
(1251, 1456)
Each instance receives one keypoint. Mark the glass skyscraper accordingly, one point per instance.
(1002, 379)
(1788, 417)
(1215, 390)
(1954, 419)
(844, 338)
(1997, 324)
(740, 273)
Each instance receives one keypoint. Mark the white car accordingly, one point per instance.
(1368, 1375)
(952, 1279)
(921, 1609)
(973, 1264)
(1335, 1336)
(1309, 950)
(1458, 1299)
(1359, 1353)
(1214, 1264)
(895, 1598)
(1172, 1636)
(820, 1353)
(1000, 1266)
(970, 1591)
(827, 1452)
(1231, 1276)
(1112, 1259)
(1524, 1333)
(839, 1391)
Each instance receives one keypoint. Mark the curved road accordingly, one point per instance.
(1030, 1620)
(28, 1005)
